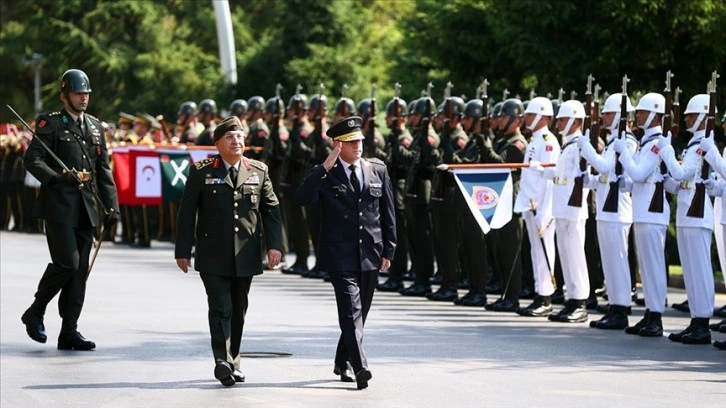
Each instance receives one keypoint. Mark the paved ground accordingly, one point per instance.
(149, 321)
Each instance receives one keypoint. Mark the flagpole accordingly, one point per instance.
(489, 166)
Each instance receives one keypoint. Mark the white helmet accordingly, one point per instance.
(571, 109)
(698, 104)
(612, 103)
(541, 107)
(652, 102)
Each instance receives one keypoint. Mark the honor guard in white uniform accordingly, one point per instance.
(534, 202)
(693, 233)
(570, 220)
(649, 227)
(613, 228)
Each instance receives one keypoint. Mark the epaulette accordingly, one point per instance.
(92, 117)
(374, 160)
(258, 164)
(46, 123)
(548, 137)
(204, 163)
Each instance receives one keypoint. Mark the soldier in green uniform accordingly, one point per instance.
(206, 116)
(274, 116)
(399, 142)
(418, 195)
(258, 138)
(186, 120)
(228, 203)
(374, 145)
(446, 201)
(506, 241)
(240, 108)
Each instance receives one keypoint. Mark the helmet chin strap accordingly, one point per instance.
(566, 130)
(697, 123)
(534, 122)
(509, 123)
(648, 121)
(613, 128)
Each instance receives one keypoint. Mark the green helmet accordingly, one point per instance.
(187, 108)
(256, 103)
(457, 106)
(474, 109)
(74, 80)
(238, 107)
(497, 109)
(411, 106)
(403, 109)
(275, 105)
(299, 98)
(316, 100)
(208, 106)
(512, 107)
(421, 105)
(364, 108)
(349, 107)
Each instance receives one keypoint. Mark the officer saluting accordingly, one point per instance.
(357, 236)
(67, 203)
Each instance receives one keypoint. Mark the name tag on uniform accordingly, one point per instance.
(214, 181)
(376, 185)
(253, 179)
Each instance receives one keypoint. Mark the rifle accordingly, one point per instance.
(344, 106)
(370, 136)
(275, 123)
(438, 183)
(611, 200)
(576, 196)
(484, 128)
(656, 202)
(297, 107)
(412, 178)
(699, 197)
(396, 106)
(320, 112)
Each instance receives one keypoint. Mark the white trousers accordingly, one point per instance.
(694, 249)
(650, 246)
(613, 240)
(718, 230)
(542, 271)
(571, 247)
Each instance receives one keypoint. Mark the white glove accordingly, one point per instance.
(713, 187)
(584, 140)
(671, 185)
(442, 167)
(535, 165)
(625, 184)
(542, 224)
(619, 145)
(707, 144)
(665, 141)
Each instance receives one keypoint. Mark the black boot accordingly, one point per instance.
(717, 326)
(642, 323)
(678, 337)
(615, 319)
(540, 307)
(654, 328)
(576, 312)
(700, 333)
(33, 321)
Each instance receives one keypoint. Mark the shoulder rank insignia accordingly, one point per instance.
(203, 163)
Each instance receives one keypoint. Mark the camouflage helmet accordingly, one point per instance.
(238, 107)
(316, 100)
(74, 80)
(513, 107)
(474, 109)
(208, 106)
(274, 105)
(349, 106)
(364, 107)
(497, 109)
(421, 105)
(256, 103)
(187, 108)
(298, 98)
(402, 107)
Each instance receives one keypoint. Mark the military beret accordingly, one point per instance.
(232, 123)
(347, 130)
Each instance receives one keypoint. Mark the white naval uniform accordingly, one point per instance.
(613, 228)
(536, 190)
(719, 204)
(570, 221)
(649, 228)
(693, 234)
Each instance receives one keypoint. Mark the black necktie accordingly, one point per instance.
(354, 179)
(79, 122)
(233, 175)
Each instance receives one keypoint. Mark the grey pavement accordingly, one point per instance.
(149, 321)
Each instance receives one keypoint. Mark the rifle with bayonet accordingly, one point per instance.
(438, 183)
(370, 134)
(656, 202)
(577, 189)
(699, 197)
(412, 178)
(484, 119)
(612, 199)
(344, 106)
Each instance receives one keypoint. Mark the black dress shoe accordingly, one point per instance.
(34, 326)
(296, 269)
(635, 329)
(678, 337)
(223, 372)
(409, 275)
(346, 374)
(721, 345)
(506, 305)
(682, 307)
(615, 319)
(700, 333)
(719, 311)
(443, 295)
(238, 376)
(476, 299)
(437, 279)
(362, 377)
(717, 326)
(314, 274)
(417, 289)
(490, 306)
(461, 299)
(574, 312)
(391, 285)
(74, 341)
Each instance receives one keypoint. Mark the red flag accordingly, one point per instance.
(137, 174)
